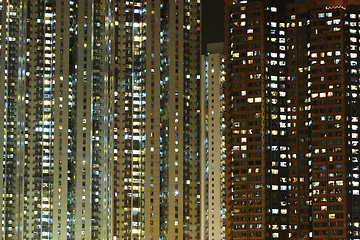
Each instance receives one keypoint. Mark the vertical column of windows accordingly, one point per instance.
(97, 86)
(138, 101)
(204, 228)
(11, 73)
(131, 95)
(41, 127)
(119, 92)
(72, 116)
(191, 116)
(48, 120)
(126, 15)
(99, 124)
(164, 121)
(352, 31)
(30, 122)
(214, 140)
(328, 123)
(175, 176)
(152, 168)
(298, 124)
(2, 115)
(60, 153)
(276, 145)
(81, 32)
(223, 147)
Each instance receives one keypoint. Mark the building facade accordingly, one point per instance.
(57, 127)
(213, 139)
(100, 119)
(157, 61)
(292, 119)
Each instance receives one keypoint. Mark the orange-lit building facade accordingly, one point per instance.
(292, 149)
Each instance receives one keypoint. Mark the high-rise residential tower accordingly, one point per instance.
(100, 114)
(56, 171)
(213, 138)
(157, 117)
(292, 85)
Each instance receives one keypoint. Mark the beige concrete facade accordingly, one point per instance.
(57, 150)
(213, 143)
(101, 113)
(157, 61)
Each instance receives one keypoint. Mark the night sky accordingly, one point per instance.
(212, 21)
